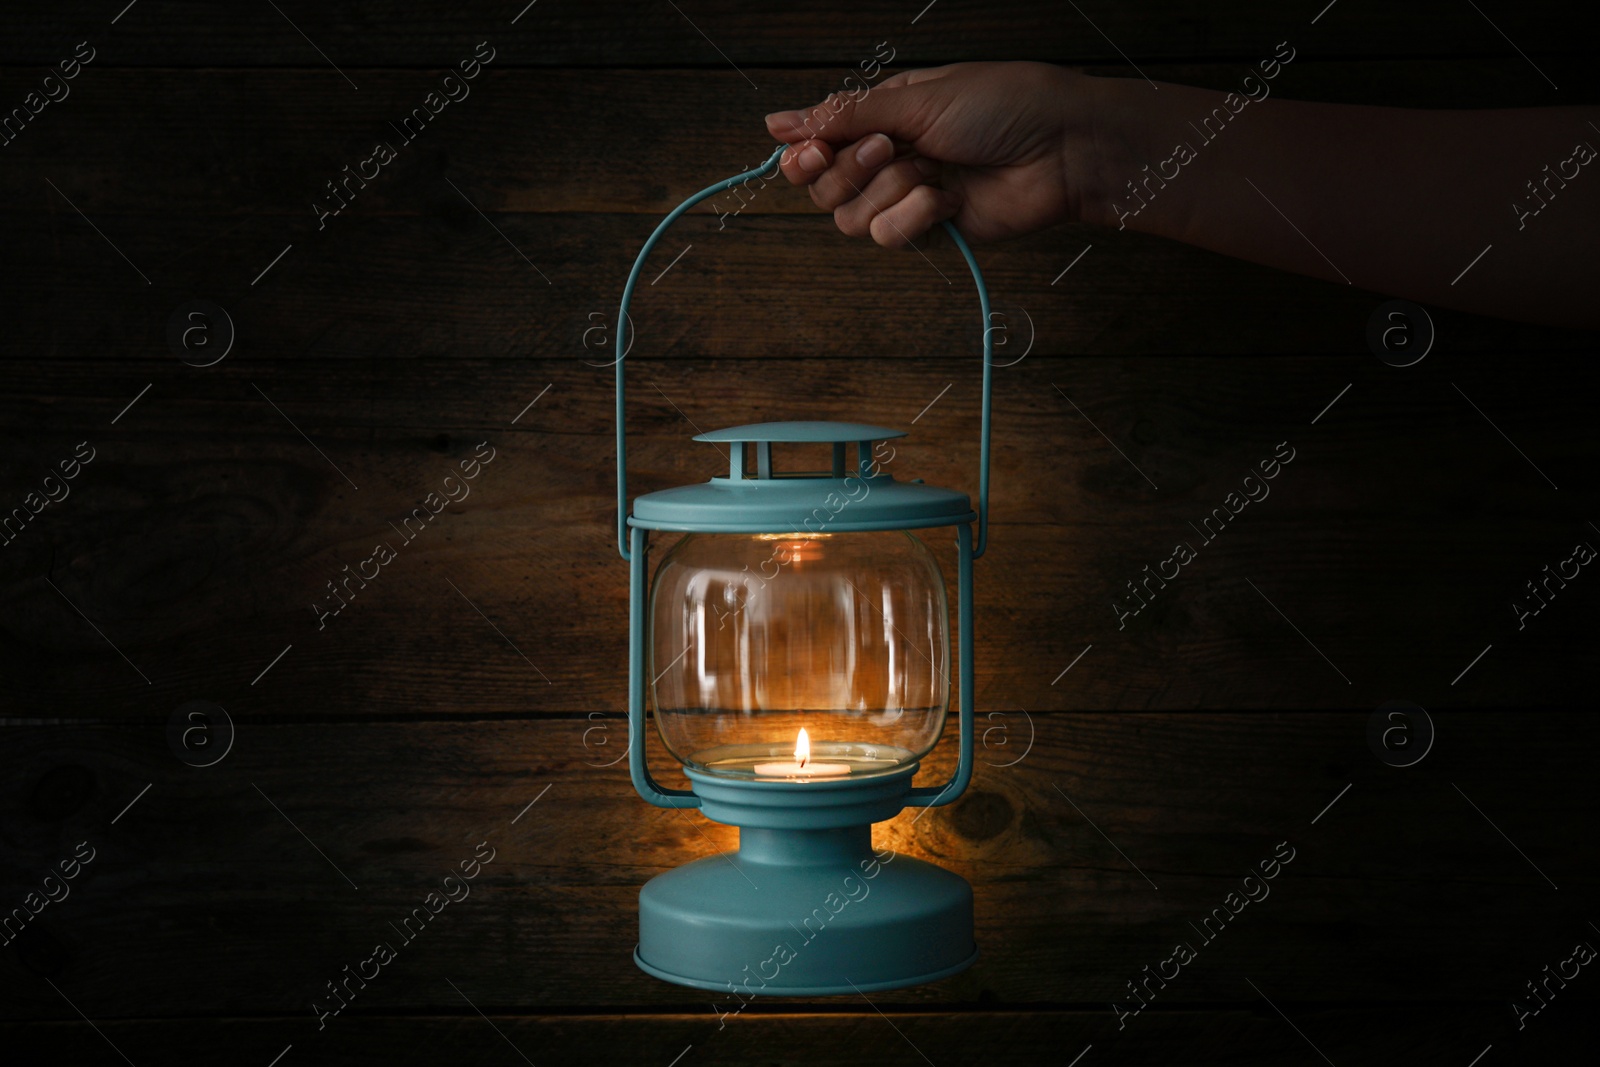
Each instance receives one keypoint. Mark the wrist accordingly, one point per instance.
(1106, 145)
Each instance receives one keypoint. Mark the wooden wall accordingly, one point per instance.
(454, 302)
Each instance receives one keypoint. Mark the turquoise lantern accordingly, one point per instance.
(795, 644)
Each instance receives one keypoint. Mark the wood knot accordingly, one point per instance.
(981, 816)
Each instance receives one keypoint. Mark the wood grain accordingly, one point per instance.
(200, 536)
(1065, 849)
(395, 289)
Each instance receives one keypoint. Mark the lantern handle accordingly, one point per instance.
(622, 350)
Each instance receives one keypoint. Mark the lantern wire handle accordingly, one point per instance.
(622, 348)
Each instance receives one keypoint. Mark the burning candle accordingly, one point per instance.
(802, 767)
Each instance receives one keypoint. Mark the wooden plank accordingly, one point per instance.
(207, 526)
(720, 33)
(1445, 1035)
(233, 143)
(771, 287)
(245, 886)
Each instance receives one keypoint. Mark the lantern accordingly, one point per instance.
(795, 643)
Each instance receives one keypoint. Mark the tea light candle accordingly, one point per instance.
(802, 767)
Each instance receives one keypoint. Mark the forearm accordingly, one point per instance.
(1394, 200)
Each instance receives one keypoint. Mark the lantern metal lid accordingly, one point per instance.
(854, 494)
(770, 918)
(806, 431)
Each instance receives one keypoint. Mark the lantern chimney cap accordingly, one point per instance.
(787, 432)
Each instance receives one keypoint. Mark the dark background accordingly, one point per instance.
(484, 669)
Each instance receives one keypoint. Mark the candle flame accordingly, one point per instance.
(802, 748)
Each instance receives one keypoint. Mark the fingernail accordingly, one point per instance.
(874, 150)
(811, 160)
(928, 167)
(780, 118)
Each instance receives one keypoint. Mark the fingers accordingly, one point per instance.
(792, 127)
(804, 161)
(845, 148)
(904, 112)
(920, 210)
(852, 169)
(869, 192)
(887, 188)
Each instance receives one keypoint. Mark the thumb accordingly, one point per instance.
(904, 112)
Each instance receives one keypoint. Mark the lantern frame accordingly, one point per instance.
(697, 922)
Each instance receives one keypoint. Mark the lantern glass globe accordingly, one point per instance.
(756, 636)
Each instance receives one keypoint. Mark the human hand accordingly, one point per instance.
(1002, 148)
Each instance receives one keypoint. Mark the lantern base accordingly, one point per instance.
(805, 913)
